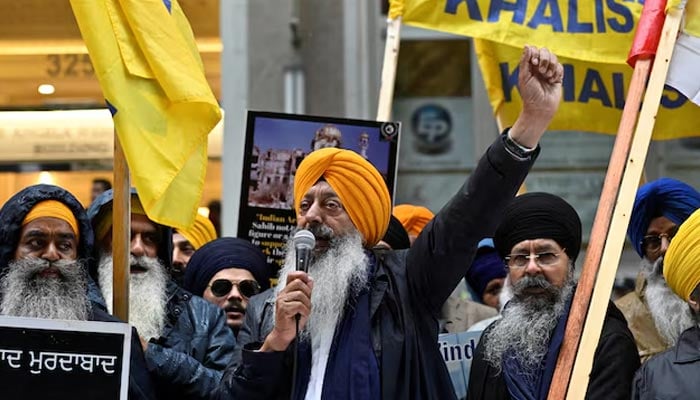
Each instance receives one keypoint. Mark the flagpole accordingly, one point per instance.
(625, 170)
(121, 233)
(391, 59)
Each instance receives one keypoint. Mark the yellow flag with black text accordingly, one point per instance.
(593, 95)
(151, 74)
(601, 29)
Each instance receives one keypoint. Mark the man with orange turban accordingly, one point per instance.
(367, 320)
(187, 241)
(674, 373)
(413, 218)
(45, 246)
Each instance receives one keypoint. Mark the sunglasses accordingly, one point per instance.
(247, 288)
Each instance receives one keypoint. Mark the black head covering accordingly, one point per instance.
(396, 236)
(539, 216)
(223, 253)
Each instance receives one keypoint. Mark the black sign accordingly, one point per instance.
(44, 359)
(275, 145)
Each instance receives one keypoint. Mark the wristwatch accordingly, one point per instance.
(516, 148)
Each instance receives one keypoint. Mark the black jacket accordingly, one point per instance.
(188, 360)
(407, 293)
(614, 364)
(11, 216)
(673, 374)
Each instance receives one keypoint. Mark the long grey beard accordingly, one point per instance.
(671, 314)
(338, 273)
(147, 294)
(27, 294)
(526, 328)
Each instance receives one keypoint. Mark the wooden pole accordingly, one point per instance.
(121, 233)
(610, 224)
(391, 59)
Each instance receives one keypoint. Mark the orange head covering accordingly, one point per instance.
(104, 223)
(358, 184)
(682, 259)
(413, 218)
(53, 209)
(201, 232)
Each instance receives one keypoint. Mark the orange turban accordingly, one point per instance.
(200, 233)
(682, 259)
(52, 209)
(358, 184)
(413, 218)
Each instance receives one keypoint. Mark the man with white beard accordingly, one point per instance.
(45, 243)
(674, 373)
(539, 239)
(369, 319)
(656, 316)
(185, 338)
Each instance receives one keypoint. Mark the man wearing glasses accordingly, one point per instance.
(228, 272)
(657, 316)
(539, 239)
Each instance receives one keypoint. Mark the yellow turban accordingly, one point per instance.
(682, 259)
(104, 224)
(200, 233)
(359, 186)
(413, 218)
(52, 209)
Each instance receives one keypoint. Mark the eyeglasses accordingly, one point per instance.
(651, 244)
(546, 259)
(221, 287)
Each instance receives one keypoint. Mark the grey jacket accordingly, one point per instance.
(672, 374)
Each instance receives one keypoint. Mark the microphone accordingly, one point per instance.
(304, 242)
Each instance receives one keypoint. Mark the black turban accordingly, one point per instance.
(396, 236)
(224, 253)
(539, 216)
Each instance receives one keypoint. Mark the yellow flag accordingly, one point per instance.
(593, 95)
(148, 66)
(602, 30)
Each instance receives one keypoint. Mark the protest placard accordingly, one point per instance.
(51, 359)
(275, 146)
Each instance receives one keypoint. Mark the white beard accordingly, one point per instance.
(26, 294)
(525, 330)
(337, 273)
(671, 314)
(147, 294)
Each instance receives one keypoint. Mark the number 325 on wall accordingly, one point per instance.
(69, 65)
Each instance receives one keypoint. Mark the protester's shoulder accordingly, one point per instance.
(615, 326)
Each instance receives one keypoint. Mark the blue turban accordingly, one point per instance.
(487, 266)
(224, 253)
(664, 197)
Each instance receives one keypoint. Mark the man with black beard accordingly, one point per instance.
(45, 245)
(228, 272)
(674, 373)
(185, 339)
(657, 316)
(369, 318)
(539, 239)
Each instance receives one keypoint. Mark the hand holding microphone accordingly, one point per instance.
(293, 304)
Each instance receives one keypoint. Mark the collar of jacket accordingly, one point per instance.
(688, 347)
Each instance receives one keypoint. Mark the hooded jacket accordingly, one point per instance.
(188, 360)
(13, 213)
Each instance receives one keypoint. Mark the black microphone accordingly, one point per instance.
(304, 243)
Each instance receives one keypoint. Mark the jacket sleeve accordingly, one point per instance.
(196, 380)
(254, 375)
(444, 250)
(614, 366)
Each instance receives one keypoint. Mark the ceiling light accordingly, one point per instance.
(46, 89)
